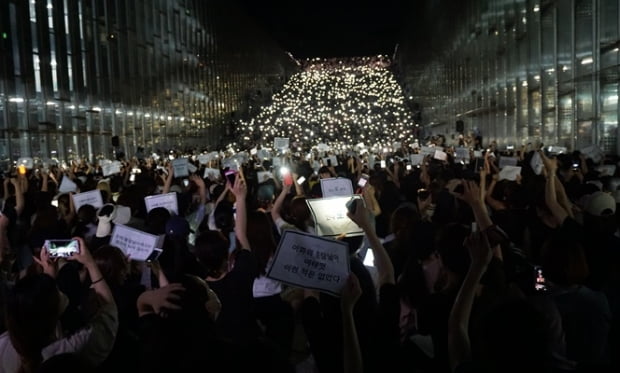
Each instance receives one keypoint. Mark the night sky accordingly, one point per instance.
(337, 28)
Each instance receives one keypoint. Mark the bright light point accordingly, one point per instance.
(587, 61)
(50, 103)
(130, 113)
(16, 99)
(96, 108)
(536, 8)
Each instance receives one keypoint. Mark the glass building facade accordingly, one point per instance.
(159, 74)
(523, 70)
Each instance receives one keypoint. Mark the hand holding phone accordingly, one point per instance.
(62, 248)
(352, 206)
(231, 175)
(362, 181)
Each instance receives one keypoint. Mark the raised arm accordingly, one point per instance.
(383, 263)
(240, 191)
(98, 282)
(459, 346)
(551, 200)
(19, 196)
(368, 193)
(277, 205)
(169, 178)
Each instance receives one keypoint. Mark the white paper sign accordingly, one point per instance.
(180, 167)
(323, 147)
(263, 154)
(427, 150)
(167, 201)
(336, 187)
(263, 176)
(311, 262)
(507, 161)
(111, 168)
(478, 153)
(211, 173)
(330, 216)
(509, 173)
(280, 143)
(593, 152)
(92, 198)
(440, 155)
(191, 168)
(67, 185)
(277, 162)
(417, 159)
(136, 244)
(462, 153)
(606, 170)
(537, 163)
(203, 158)
(331, 161)
(28, 162)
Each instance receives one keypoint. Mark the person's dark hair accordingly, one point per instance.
(224, 217)
(564, 262)
(32, 311)
(260, 237)
(211, 249)
(402, 221)
(156, 220)
(112, 263)
(299, 212)
(87, 214)
(449, 243)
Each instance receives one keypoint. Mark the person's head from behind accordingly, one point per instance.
(112, 263)
(454, 256)
(156, 220)
(211, 249)
(260, 236)
(564, 262)
(87, 214)
(325, 173)
(514, 338)
(403, 219)
(33, 308)
(224, 217)
(299, 213)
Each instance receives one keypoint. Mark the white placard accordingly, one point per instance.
(111, 168)
(606, 170)
(417, 159)
(331, 161)
(509, 173)
(330, 216)
(478, 153)
(180, 167)
(167, 201)
(507, 161)
(92, 198)
(336, 187)
(276, 162)
(203, 158)
(191, 168)
(311, 262)
(231, 164)
(440, 155)
(557, 149)
(427, 150)
(280, 143)
(67, 185)
(28, 162)
(593, 152)
(263, 154)
(211, 173)
(263, 176)
(323, 147)
(134, 243)
(537, 163)
(462, 153)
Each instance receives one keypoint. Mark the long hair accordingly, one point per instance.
(260, 236)
(211, 249)
(33, 307)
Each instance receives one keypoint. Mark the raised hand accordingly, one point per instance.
(351, 292)
(479, 249)
(161, 300)
(50, 266)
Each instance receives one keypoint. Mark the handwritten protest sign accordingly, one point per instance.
(510, 173)
(330, 216)
(440, 155)
(536, 163)
(180, 167)
(111, 168)
(336, 186)
(427, 150)
(417, 159)
(136, 244)
(462, 154)
(507, 161)
(92, 198)
(67, 185)
(280, 143)
(263, 176)
(311, 262)
(593, 152)
(211, 173)
(167, 201)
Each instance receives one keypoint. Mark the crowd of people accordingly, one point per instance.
(472, 271)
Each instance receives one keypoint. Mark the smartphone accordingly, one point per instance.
(301, 180)
(575, 165)
(382, 164)
(21, 169)
(408, 167)
(186, 182)
(231, 175)
(154, 255)
(540, 284)
(62, 248)
(362, 181)
(132, 177)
